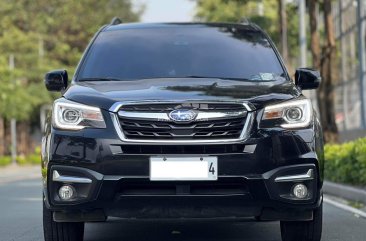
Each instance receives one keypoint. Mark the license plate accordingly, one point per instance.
(183, 168)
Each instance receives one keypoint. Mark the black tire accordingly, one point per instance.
(304, 230)
(54, 231)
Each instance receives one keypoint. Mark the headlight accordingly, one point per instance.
(70, 115)
(291, 114)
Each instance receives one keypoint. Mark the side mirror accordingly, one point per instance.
(56, 80)
(307, 78)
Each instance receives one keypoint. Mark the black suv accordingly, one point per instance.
(182, 121)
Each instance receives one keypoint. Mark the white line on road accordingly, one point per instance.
(345, 207)
(28, 199)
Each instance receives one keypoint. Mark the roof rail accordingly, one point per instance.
(116, 21)
(244, 21)
(256, 26)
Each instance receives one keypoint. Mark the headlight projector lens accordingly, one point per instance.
(71, 116)
(66, 192)
(294, 114)
(300, 191)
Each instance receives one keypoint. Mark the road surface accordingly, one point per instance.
(20, 220)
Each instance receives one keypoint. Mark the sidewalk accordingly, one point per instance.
(13, 173)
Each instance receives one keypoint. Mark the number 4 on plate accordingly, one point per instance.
(211, 168)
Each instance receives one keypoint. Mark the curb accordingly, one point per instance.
(345, 191)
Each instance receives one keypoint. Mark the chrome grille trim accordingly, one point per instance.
(245, 131)
(144, 115)
(169, 125)
(164, 116)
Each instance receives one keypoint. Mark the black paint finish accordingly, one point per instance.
(120, 170)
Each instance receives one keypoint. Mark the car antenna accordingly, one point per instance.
(116, 21)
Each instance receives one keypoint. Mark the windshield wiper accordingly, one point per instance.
(100, 79)
(210, 77)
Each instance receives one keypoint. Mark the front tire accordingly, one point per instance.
(54, 231)
(304, 230)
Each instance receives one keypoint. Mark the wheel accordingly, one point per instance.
(304, 230)
(54, 231)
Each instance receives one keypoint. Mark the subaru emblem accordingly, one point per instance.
(182, 115)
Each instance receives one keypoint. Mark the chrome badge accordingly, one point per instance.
(182, 115)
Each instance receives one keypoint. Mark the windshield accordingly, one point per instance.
(196, 51)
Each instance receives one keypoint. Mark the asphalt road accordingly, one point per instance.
(20, 220)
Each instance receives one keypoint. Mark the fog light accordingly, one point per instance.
(66, 192)
(300, 191)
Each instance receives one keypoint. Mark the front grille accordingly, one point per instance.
(229, 127)
(141, 129)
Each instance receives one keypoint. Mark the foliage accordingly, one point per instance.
(346, 163)
(5, 160)
(18, 98)
(31, 159)
(44, 35)
(221, 10)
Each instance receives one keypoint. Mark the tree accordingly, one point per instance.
(328, 69)
(221, 10)
(283, 28)
(44, 35)
(2, 136)
(315, 41)
(66, 26)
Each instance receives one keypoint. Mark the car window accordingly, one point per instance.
(182, 51)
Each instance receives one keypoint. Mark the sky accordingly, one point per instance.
(167, 10)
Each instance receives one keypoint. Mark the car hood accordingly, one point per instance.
(104, 94)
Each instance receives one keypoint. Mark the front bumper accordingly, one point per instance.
(228, 197)
(121, 187)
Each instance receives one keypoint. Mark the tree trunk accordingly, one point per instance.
(7, 138)
(2, 137)
(326, 93)
(315, 41)
(24, 140)
(283, 29)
